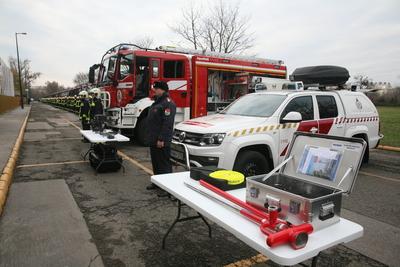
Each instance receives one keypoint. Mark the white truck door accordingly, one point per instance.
(305, 106)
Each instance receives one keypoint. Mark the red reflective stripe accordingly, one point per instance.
(325, 125)
(305, 126)
(285, 150)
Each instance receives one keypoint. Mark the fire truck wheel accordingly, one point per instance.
(140, 132)
(251, 163)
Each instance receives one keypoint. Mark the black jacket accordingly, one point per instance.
(96, 107)
(160, 120)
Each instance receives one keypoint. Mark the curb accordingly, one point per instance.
(389, 148)
(8, 171)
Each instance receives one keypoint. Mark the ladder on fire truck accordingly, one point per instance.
(217, 54)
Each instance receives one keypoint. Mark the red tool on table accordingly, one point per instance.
(278, 231)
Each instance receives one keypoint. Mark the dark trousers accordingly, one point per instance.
(85, 125)
(160, 160)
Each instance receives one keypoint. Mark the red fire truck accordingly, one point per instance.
(199, 82)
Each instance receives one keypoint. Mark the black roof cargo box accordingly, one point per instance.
(321, 75)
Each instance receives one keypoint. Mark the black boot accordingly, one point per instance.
(163, 194)
(151, 187)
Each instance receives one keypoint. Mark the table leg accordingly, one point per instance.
(209, 227)
(179, 219)
(315, 261)
(87, 152)
(172, 225)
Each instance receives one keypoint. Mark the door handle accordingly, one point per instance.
(313, 130)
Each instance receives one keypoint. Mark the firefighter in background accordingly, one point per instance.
(160, 126)
(84, 110)
(77, 104)
(91, 103)
(96, 107)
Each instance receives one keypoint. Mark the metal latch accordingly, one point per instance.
(271, 201)
(326, 211)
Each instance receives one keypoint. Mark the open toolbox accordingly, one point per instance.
(307, 187)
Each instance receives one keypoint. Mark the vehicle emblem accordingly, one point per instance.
(182, 136)
(119, 96)
(358, 104)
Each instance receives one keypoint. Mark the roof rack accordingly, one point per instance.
(217, 54)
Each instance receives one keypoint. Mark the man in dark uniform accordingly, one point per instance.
(160, 126)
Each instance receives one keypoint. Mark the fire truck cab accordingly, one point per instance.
(200, 83)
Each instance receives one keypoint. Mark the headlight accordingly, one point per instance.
(212, 139)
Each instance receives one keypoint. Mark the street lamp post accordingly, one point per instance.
(19, 70)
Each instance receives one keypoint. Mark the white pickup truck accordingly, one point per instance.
(252, 134)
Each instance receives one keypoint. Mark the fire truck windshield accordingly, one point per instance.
(109, 68)
(125, 66)
(255, 105)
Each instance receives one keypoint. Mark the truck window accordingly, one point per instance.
(173, 69)
(327, 106)
(302, 104)
(154, 64)
(109, 68)
(125, 66)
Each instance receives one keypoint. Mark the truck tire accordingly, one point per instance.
(251, 163)
(141, 131)
(365, 158)
(366, 154)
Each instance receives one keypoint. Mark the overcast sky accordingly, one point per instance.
(66, 37)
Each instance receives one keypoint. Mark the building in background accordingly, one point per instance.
(6, 80)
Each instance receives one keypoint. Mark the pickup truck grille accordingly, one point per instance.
(187, 137)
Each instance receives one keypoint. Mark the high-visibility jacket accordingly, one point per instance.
(84, 110)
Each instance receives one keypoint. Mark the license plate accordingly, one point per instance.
(177, 155)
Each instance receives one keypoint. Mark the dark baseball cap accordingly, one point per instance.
(161, 85)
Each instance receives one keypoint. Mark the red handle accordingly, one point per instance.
(251, 216)
(234, 199)
(297, 236)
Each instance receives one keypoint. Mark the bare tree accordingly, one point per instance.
(363, 80)
(190, 27)
(144, 41)
(53, 87)
(81, 78)
(27, 75)
(220, 29)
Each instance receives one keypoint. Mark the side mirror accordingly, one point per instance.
(91, 74)
(292, 116)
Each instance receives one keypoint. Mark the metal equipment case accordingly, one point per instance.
(308, 188)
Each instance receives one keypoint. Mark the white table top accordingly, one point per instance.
(98, 138)
(342, 232)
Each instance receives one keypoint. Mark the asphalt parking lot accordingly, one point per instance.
(127, 222)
